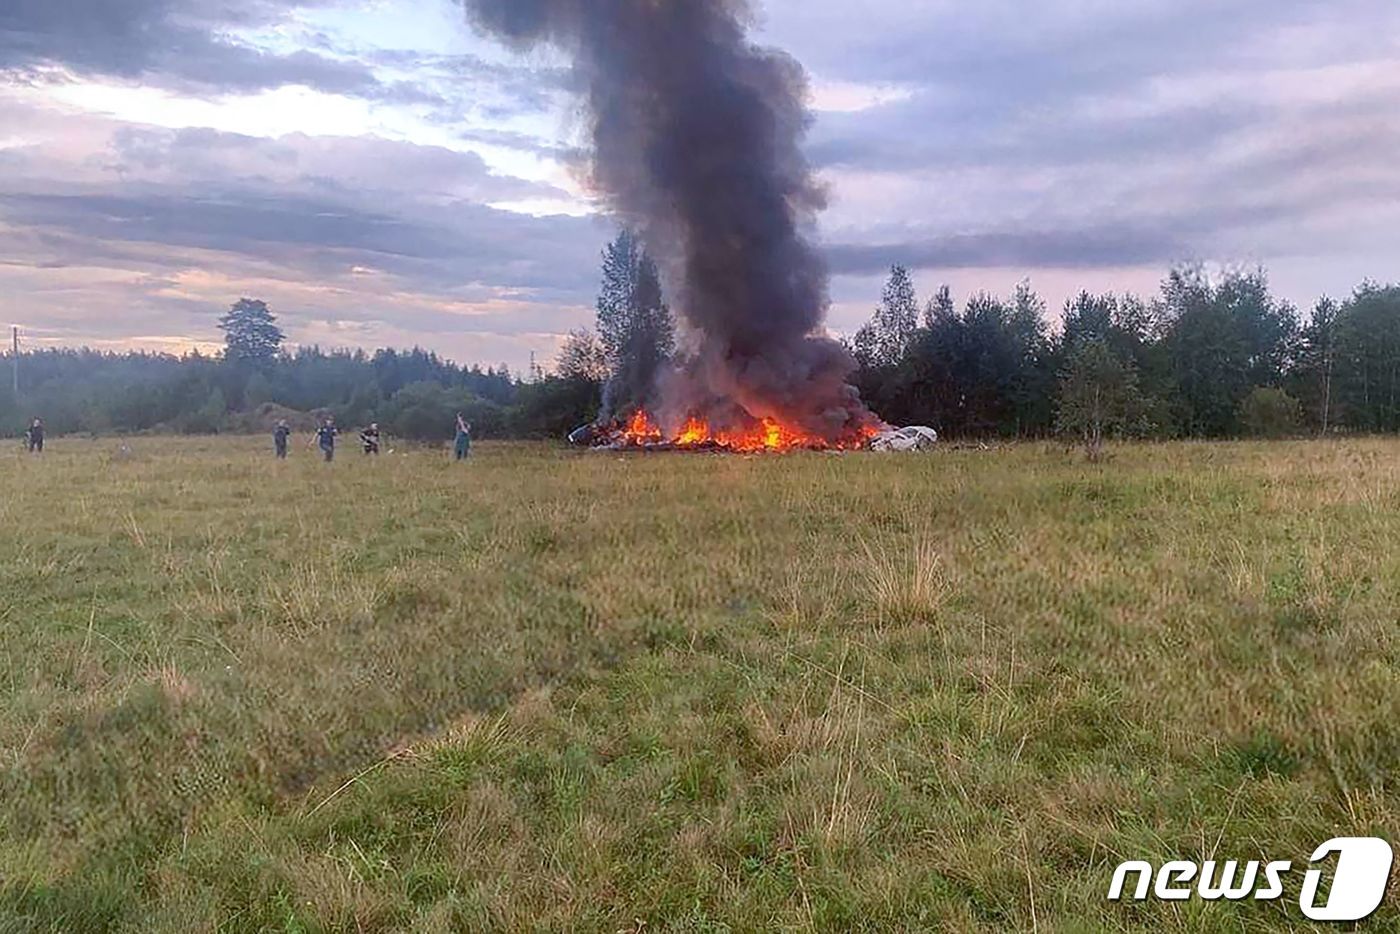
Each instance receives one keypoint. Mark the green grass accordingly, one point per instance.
(554, 690)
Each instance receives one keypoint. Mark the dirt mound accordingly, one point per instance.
(265, 417)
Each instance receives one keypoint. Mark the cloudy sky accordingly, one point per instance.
(383, 177)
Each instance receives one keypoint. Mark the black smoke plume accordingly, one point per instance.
(696, 145)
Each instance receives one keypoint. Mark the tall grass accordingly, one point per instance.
(551, 690)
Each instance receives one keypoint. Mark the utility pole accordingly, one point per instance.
(14, 337)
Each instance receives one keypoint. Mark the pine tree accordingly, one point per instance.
(251, 334)
(940, 308)
(634, 323)
(616, 295)
(1032, 385)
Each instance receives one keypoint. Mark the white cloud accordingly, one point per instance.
(384, 176)
(853, 96)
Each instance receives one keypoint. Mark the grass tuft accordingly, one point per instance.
(546, 690)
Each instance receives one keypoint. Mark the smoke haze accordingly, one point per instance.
(696, 139)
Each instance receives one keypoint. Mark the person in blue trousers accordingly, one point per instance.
(325, 437)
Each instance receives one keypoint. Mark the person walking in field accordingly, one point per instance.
(325, 437)
(462, 447)
(34, 436)
(280, 434)
(369, 438)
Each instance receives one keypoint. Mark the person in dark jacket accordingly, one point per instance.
(280, 434)
(34, 437)
(369, 438)
(325, 437)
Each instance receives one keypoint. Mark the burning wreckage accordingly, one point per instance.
(640, 433)
(695, 145)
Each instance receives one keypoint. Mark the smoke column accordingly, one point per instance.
(696, 135)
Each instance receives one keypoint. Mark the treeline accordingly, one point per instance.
(1204, 358)
(1209, 358)
(412, 394)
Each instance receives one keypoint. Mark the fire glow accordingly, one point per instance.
(697, 136)
(765, 435)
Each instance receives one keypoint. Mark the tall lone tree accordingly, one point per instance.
(634, 323)
(251, 334)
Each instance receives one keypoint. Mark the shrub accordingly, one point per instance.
(1270, 413)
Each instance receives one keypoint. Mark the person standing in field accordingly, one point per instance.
(462, 447)
(280, 434)
(325, 437)
(34, 436)
(369, 437)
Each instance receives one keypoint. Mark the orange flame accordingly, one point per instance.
(768, 434)
(641, 429)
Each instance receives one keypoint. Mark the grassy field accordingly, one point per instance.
(555, 690)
